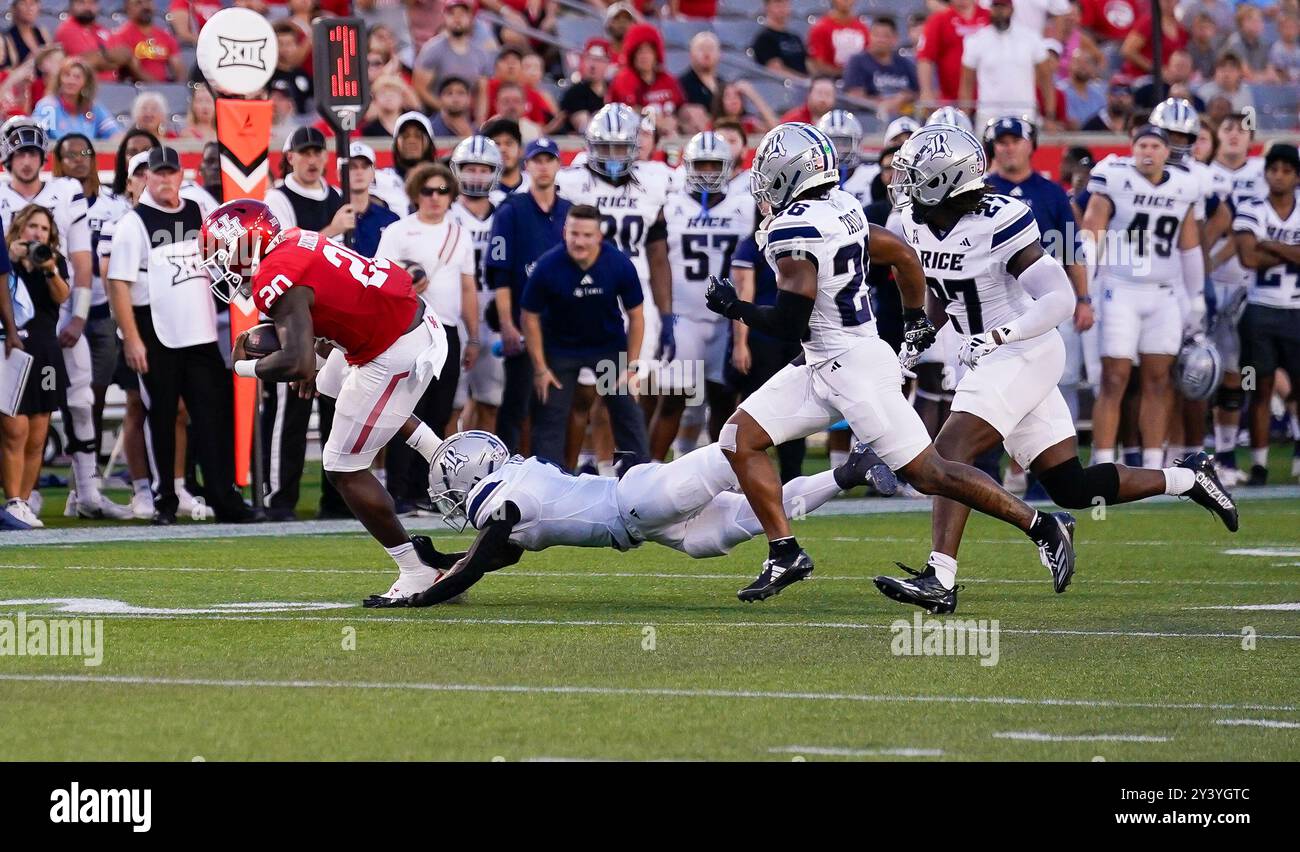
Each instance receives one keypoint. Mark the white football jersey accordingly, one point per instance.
(701, 243)
(1246, 183)
(627, 210)
(858, 183)
(498, 195)
(556, 508)
(481, 231)
(1278, 286)
(1141, 241)
(833, 233)
(1213, 184)
(62, 196)
(104, 210)
(391, 188)
(966, 268)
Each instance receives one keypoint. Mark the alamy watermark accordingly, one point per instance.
(929, 637)
(53, 637)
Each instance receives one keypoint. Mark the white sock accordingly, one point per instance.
(945, 568)
(179, 484)
(1178, 480)
(586, 457)
(83, 475)
(1100, 456)
(424, 441)
(605, 468)
(141, 486)
(1225, 437)
(406, 557)
(838, 457)
(1259, 457)
(1153, 459)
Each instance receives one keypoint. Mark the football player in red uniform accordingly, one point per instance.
(384, 350)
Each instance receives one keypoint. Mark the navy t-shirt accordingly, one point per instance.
(878, 79)
(521, 233)
(370, 227)
(1051, 209)
(580, 308)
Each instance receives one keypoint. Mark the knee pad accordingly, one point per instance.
(727, 437)
(1230, 399)
(1071, 486)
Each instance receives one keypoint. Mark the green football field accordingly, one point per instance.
(1177, 641)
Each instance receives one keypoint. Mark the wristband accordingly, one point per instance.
(81, 302)
(1083, 300)
(246, 368)
(910, 314)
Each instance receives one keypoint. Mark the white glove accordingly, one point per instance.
(1194, 318)
(908, 356)
(976, 347)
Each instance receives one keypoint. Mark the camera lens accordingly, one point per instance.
(39, 252)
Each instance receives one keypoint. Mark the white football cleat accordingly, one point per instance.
(23, 512)
(408, 583)
(193, 507)
(142, 508)
(102, 509)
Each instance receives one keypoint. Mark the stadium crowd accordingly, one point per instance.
(496, 80)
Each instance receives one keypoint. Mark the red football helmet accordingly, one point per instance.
(234, 239)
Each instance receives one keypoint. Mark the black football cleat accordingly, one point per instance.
(864, 466)
(922, 589)
(163, 519)
(1258, 476)
(776, 575)
(1055, 540)
(1209, 491)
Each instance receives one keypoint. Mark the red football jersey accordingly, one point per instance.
(361, 304)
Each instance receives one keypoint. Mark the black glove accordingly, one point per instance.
(918, 332)
(721, 296)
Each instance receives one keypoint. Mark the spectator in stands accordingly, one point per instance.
(1118, 112)
(532, 73)
(574, 303)
(155, 55)
(1008, 65)
(1177, 80)
(1074, 38)
(619, 18)
(1203, 45)
(1284, 55)
(512, 104)
(1220, 12)
(1136, 48)
(1248, 43)
(702, 9)
(1229, 82)
(700, 83)
(210, 170)
(1040, 16)
(284, 110)
(187, 17)
(25, 35)
(385, 55)
(301, 13)
(518, 14)
(775, 47)
(46, 285)
(509, 68)
(734, 104)
(835, 38)
(642, 81)
(1109, 21)
(581, 100)
(289, 65)
(149, 112)
(389, 98)
(453, 117)
(880, 75)
(452, 53)
(201, 118)
(84, 36)
(71, 106)
(820, 100)
(939, 52)
(1083, 92)
(1056, 119)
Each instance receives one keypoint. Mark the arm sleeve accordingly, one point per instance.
(1193, 263)
(1046, 282)
(786, 320)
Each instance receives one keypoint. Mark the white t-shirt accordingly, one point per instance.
(1004, 65)
(445, 250)
(1032, 14)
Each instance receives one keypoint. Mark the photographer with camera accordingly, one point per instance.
(32, 245)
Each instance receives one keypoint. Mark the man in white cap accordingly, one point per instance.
(372, 212)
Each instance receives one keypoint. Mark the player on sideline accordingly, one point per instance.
(387, 350)
(820, 246)
(520, 504)
(1268, 241)
(845, 132)
(987, 270)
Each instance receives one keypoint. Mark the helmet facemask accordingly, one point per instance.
(611, 159)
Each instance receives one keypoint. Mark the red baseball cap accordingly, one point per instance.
(597, 47)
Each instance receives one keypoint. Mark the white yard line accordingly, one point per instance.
(1039, 737)
(1258, 723)
(833, 751)
(364, 617)
(646, 692)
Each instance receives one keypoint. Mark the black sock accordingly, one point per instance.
(782, 548)
(1039, 527)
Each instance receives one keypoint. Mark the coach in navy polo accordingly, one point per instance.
(525, 225)
(573, 306)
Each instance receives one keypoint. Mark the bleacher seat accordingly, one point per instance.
(750, 9)
(574, 30)
(176, 95)
(117, 97)
(1277, 105)
(678, 33)
(676, 60)
(736, 35)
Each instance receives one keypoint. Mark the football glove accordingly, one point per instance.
(720, 295)
(1194, 318)
(667, 342)
(918, 335)
(976, 347)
